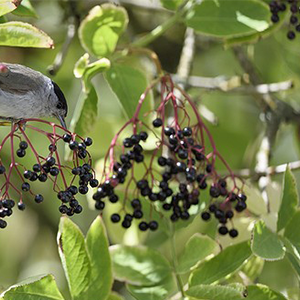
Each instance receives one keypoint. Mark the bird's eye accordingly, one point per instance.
(59, 105)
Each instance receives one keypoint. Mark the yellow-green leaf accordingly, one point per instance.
(99, 32)
(19, 34)
(7, 6)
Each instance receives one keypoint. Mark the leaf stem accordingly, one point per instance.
(161, 29)
(174, 261)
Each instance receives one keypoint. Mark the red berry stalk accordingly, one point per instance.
(46, 167)
(181, 166)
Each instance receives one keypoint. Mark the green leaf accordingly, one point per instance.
(140, 266)
(293, 255)
(128, 84)
(229, 18)
(262, 292)
(290, 231)
(7, 6)
(74, 257)
(171, 4)
(114, 296)
(253, 267)
(80, 65)
(216, 292)
(92, 69)
(25, 10)
(87, 71)
(101, 279)
(196, 249)
(265, 243)
(19, 34)
(223, 264)
(99, 32)
(40, 288)
(158, 292)
(289, 200)
(255, 37)
(85, 115)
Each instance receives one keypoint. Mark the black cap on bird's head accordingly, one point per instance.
(62, 106)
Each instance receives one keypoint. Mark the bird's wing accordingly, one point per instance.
(20, 79)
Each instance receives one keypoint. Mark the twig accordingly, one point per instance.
(73, 23)
(270, 171)
(233, 84)
(275, 112)
(60, 56)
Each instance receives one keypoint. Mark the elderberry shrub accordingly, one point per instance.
(279, 6)
(177, 172)
(46, 169)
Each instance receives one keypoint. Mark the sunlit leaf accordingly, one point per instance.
(74, 257)
(223, 264)
(39, 288)
(196, 249)
(139, 266)
(19, 34)
(229, 18)
(159, 291)
(262, 292)
(7, 6)
(216, 292)
(101, 271)
(99, 32)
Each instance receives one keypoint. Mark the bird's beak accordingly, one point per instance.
(62, 121)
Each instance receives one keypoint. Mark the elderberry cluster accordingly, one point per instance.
(183, 177)
(49, 168)
(120, 170)
(278, 6)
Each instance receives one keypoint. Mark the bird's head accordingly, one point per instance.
(58, 104)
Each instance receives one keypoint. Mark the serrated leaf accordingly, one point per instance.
(223, 264)
(216, 292)
(230, 18)
(85, 114)
(265, 243)
(7, 6)
(25, 10)
(141, 266)
(289, 200)
(101, 279)
(39, 288)
(262, 292)
(197, 248)
(290, 231)
(171, 4)
(99, 32)
(128, 84)
(74, 257)
(158, 292)
(19, 34)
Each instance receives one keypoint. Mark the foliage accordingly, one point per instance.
(117, 67)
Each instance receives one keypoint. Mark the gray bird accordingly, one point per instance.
(25, 93)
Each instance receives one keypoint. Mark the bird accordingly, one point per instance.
(26, 93)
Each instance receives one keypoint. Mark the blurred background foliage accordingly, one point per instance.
(28, 245)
